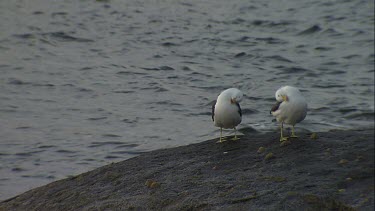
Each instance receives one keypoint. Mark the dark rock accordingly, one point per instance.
(303, 175)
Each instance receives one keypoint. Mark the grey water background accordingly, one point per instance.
(86, 83)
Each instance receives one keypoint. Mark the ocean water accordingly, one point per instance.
(86, 83)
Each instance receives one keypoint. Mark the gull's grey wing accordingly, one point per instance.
(275, 107)
(239, 109)
(213, 111)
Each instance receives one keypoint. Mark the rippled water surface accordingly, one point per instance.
(86, 83)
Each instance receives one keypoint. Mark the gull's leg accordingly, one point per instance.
(222, 139)
(235, 138)
(282, 138)
(221, 136)
(293, 134)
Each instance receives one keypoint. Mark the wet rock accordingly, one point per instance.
(269, 156)
(261, 150)
(303, 177)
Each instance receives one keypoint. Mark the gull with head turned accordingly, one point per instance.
(226, 111)
(290, 108)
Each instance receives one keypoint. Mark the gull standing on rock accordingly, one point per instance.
(226, 111)
(291, 108)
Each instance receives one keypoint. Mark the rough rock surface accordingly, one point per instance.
(330, 170)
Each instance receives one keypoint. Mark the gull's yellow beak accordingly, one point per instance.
(285, 98)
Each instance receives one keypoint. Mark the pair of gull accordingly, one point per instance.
(290, 108)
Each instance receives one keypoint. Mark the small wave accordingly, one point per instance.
(238, 21)
(189, 62)
(311, 30)
(46, 146)
(86, 68)
(331, 63)
(112, 143)
(4, 154)
(62, 36)
(319, 109)
(322, 48)
(39, 176)
(130, 121)
(25, 36)
(130, 73)
(123, 91)
(158, 68)
(169, 44)
(111, 136)
(167, 103)
(243, 39)
(336, 72)
(38, 13)
(65, 151)
(186, 68)
(42, 84)
(28, 154)
(157, 56)
(329, 85)
(8, 110)
(195, 73)
(200, 114)
(54, 14)
(247, 130)
(191, 41)
(279, 58)
(331, 32)
(126, 146)
(333, 18)
(289, 70)
(18, 169)
(166, 68)
(242, 54)
(246, 9)
(109, 157)
(96, 118)
(23, 128)
(270, 40)
(15, 81)
(82, 89)
(270, 23)
(157, 89)
(311, 74)
(368, 116)
(154, 118)
(249, 111)
(269, 99)
(126, 152)
(347, 110)
(351, 56)
(337, 101)
(210, 88)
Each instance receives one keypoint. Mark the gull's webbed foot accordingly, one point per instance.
(221, 140)
(293, 136)
(283, 139)
(235, 138)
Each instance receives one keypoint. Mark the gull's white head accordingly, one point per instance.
(237, 96)
(281, 95)
(285, 92)
(233, 94)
